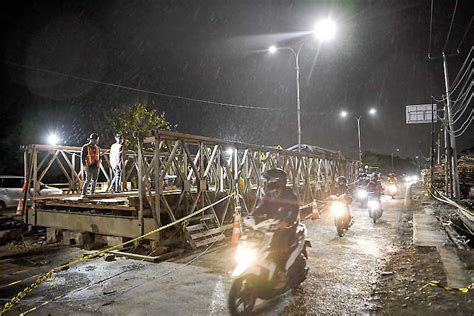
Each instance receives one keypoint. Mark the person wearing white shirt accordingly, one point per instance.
(116, 162)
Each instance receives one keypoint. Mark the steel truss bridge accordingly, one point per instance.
(172, 175)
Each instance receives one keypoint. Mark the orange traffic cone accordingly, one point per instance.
(19, 209)
(236, 228)
(315, 211)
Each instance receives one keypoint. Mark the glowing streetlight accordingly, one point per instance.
(344, 114)
(325, 30)
(272, 49)
(53, 139)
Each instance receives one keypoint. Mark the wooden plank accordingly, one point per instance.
(148, 258)
(91, 206)
(208, 241)
(192, 228)
(211, 232)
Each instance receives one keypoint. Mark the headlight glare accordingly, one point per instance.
(362, 194)
(337, 208)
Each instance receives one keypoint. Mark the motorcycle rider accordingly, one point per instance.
(392, 178)
(342, 188)
(375, 186)
(281, 203)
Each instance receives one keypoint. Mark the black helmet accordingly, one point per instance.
(118, 136)
(93, 136)
(375, 176)
(341, 180)
(275, 179)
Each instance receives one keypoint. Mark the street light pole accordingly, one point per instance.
(324, 30)
(298, 102)
(295, 54)
(358, 135)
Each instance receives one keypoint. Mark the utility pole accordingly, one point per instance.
(439, 147)
(452, 147)
(432, 155)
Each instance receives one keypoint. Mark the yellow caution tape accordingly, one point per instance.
(448, 288)
(18, 297)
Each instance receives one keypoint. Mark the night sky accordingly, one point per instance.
(215, 51)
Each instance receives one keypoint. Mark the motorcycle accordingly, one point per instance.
(392, 190)
(255, 273)
(374, 206)
(361, 196)
(342, 215)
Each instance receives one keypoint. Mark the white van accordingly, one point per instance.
(11, 188)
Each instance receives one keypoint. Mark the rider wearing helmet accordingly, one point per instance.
(375, 186)
(281, 203)
(391, 178)
(343, 189)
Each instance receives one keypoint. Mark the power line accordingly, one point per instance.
(463, 109)
(457, 80)
(465, 125)
(451, 25)
(465, 33)
(139, 90)
(431, 29)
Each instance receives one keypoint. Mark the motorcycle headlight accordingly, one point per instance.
(337, 208)
(392, 188)
(245, 255)
(373, 205)
(362, 194)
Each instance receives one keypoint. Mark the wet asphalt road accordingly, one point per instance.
(342, 278)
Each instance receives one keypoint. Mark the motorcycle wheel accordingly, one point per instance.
(242, 297)
(340, 227)
(374, 219)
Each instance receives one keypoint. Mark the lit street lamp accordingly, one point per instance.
(53, 139)
(324, 30)
(344, 114)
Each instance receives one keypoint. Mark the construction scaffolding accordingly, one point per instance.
(171, 176)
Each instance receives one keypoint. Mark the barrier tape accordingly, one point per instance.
(448, 288)
(18, 297)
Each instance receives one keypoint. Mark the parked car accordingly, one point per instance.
(11, 191)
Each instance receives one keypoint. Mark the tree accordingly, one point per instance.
(136, 121)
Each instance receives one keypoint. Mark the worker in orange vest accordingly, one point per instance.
(90, 158)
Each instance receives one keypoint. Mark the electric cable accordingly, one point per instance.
(455, 81)
(465, 33)
(461, 111)
(459, 132)
(431, 29)
(451, 25)
(140, 90)
(458, 103)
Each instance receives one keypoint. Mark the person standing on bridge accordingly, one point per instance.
(90, 158)
(116, 163)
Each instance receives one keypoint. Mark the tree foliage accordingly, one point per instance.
(135, 121)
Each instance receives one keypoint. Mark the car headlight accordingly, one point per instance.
(338, 208)
(373, 205)
(392, 188)
(362, 194)
(245, 255)
(408, 179)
